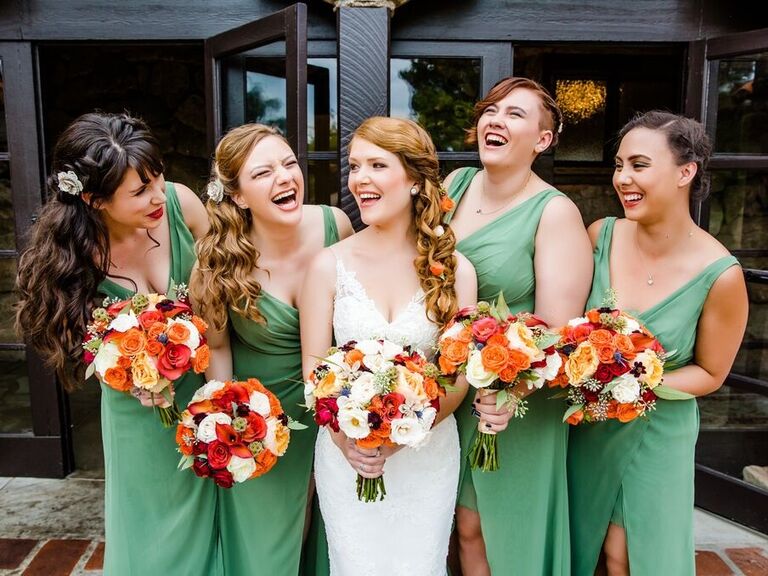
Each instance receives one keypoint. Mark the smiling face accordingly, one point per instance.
(134, 203)
(379, 183)
(509, 131)
(270, 182)
(646, 176)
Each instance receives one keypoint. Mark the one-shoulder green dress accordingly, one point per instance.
(523, 506)
(639, 475)
(262, 520)
(159, 520)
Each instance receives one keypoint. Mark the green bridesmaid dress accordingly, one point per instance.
(262, 520)
(639, 475)
(523, 506)
(159, 520)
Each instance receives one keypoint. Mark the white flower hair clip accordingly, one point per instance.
(69, 183)
(560, 128)
(438, 230)
(215, 190)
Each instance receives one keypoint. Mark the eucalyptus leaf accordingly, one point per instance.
(572, 410)
(501, 398)
(501, 306)
(610, 386)
(548, 339)
(90, 371)
(186, 462)
(669, 393)
(296, 425)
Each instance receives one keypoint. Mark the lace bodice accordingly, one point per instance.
(356, 317)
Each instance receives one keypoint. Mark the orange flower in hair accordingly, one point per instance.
(446, 204)
(437, 269)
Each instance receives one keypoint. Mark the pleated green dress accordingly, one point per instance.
(159, 520)
(640, 475)
(262, 520)
(523, 506)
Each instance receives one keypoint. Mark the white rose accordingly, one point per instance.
(207, 390)
(554, 362)
(270, 442)
(389, 349)
(577, 321)
(259, 403)
(353, 421)
(453, 331)
(193, 340)
(241, 468)
(627, 390)
(407, 431)
(106, 358)
(188, 420)
(410, 385)
(377, 363)
(124, 322)
(206, 430)
(477, 375)
(363, 389)
(630, 325)
(309, 397)
(369, 347)
(335, 361)
(428, 416)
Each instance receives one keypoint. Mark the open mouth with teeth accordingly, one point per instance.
(286, 200)
(368, 198)
(631, 198)
(495, 140)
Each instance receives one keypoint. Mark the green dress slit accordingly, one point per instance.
(523, 506)
(159, 520)
(639, 475)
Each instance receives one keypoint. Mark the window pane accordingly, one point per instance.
(439, 93)
(595, 201)
(15, 412)
(7, 300)
(738, 214)
(3, 133)
(583, 105)
(265, 99)
(7, 226)
(742, 104)
(322, 120)
(323, 182)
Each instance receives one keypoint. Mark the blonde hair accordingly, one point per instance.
(226, 258)
(413, 146)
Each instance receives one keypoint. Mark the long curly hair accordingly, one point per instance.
(226, 258)
(435, 241)
(68, 254)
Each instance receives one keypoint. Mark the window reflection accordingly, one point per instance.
(3, 132)
(322, 119)
(323, 182)
(265, 99)
(738, 214)
(742, 105)
(583, 105)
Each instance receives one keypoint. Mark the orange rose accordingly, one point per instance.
(155, 330)
(200, 324)
(613, 409)
(454, 350)
(117, 378)
(582, 363)
(132, 342)
(494, 358)
(184, 438)
(499, 339)
(431, 388)
(264, 462)
(178, 333)
(519, 360)
(370, 442)
(154, 348)
(561, 379)
(446, 366)
(436, 269)
(593, 316)
(465, 335)
(627, 412)
(353, 356)
(605, 353)
(601, 337)
(446, 204)
(624, 345)
(124, 362)
(576, 417)
(202, 359)
(383, 431)
(508, 374)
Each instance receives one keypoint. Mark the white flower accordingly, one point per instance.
(363, 389)
(193, 340)
(270, 440)
(206, 430)
(188, 420)
(69, 183)
(124, 322)
(438, 230)
(554, 362)
(309, 397)
(377, 363)
(577, 321)
(389, 349)
(477, 375)
(410, 385)
(241, 468)
(521, 337)
(259, 403)
(353, 421)
(215, 190)
(453, 331)
(106, 358)
(369, 347)
(335, 361)
(630, 325)
(428, 416)
(407, 431)
(207, 390)
(627, 390)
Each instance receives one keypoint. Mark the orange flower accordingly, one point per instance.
(446, 366)
(154, 348)
(508, 374)
(494, 357)
(264, 462)
(582, 363)
(576, 417)
(499, 339)
(581, 332)
(561, 379)
(178, 333)
(353, 356)
(431, 388)
(132, 342)
(436, 269)
(454, 350)
(601, 337)
(605, 353)
(184, 438)
(641, 341)
(519, 360)
(117, 378)
(124, 362)
(202, 359)
(155, 330)
(370, 442)
(613, 409)
(200, 324)
(465, 335)
(624, 345)
(627, 412)
(593, 316)
(383, 431)
(446, 204)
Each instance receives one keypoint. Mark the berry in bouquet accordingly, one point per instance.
(379, 394)
(142, 345)
(496, 351)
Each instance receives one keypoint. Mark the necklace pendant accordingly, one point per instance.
(479, 211)
(650, 280)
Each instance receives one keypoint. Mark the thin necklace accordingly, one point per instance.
(515, 195)
(650, 280)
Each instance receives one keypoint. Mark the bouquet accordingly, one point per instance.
(497, 350)
(233, 431)
(614, 368)
(145, 343)
(378, 393)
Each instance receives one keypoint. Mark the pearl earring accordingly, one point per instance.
(414, 191)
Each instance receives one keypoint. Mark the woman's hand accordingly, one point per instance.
(367, 462)
(491, 418)
(150, 399)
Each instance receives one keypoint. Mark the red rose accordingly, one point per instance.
(391, 405)
(218, 455)
(201, 468)
(149, 317)
(199, 448)
(223, 478)
(484, 328)
(325, 413)
(174, 361)
(604, 373)
(589, 396)
(617, 368)
(648, 396)
(257, 428)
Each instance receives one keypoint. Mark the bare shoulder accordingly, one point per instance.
(466, 280)
(188, 200)
(343, 223)
(464, 268)
(559, 211)
(594, 230)
(322, 266)
(192, 210)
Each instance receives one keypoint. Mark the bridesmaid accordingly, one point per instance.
(526, 239)
(631, 485)
(112, 227)
(246, 283)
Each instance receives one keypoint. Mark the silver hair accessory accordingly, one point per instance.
(69, 183)
(215, 190)
(560, 128)
(438, 230)
(414, 191)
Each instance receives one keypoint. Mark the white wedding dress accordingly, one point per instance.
(406, 534)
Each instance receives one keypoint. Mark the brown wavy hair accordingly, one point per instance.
(412, 145)
(226, 258)
(68, 254)
(552, 119)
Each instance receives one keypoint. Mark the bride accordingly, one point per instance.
(399, 279)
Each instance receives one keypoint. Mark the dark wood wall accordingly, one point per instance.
(519, 20)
